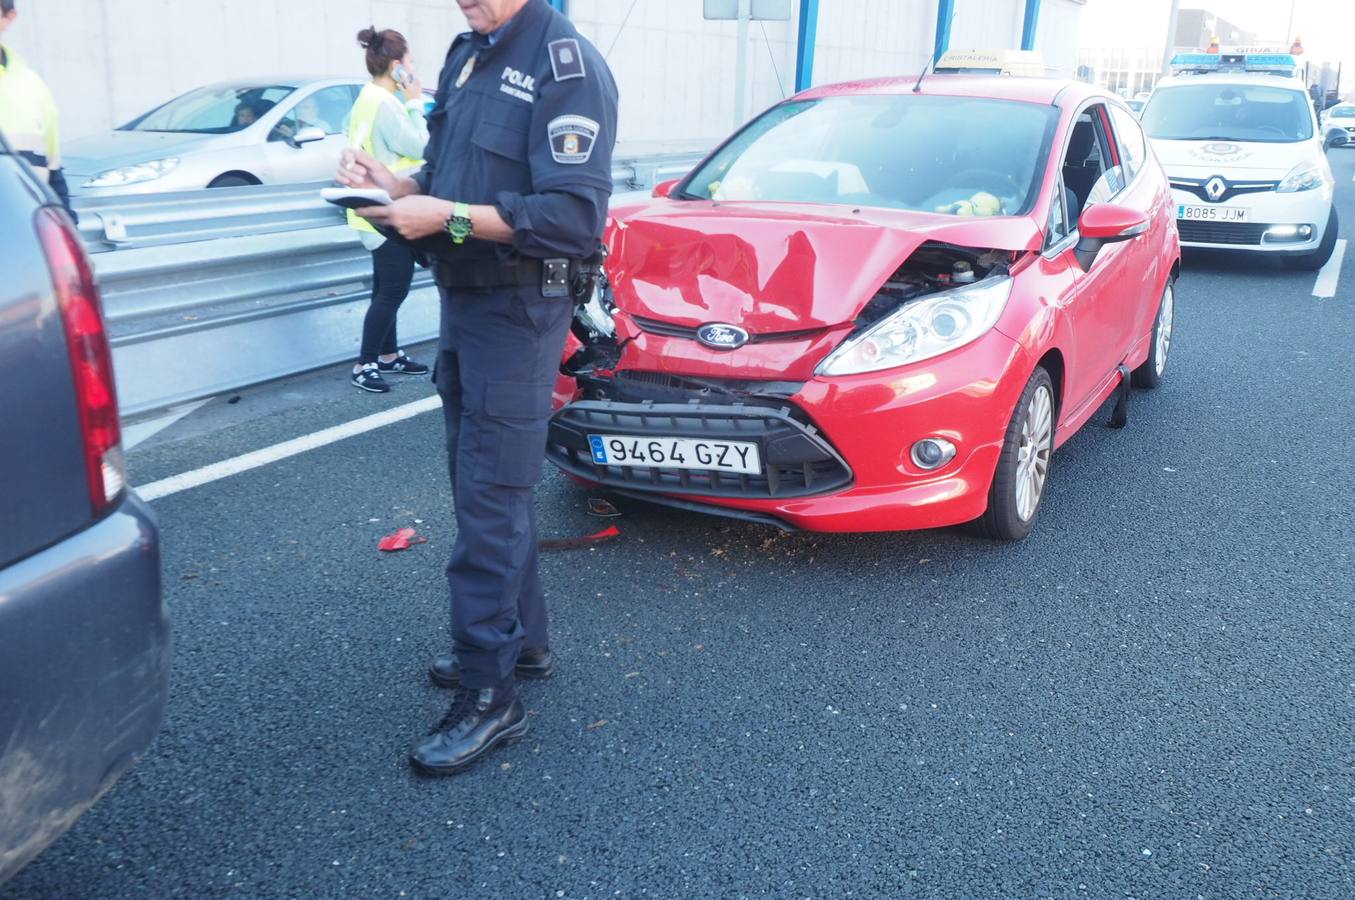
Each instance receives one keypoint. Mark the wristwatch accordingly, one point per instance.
(458, 224)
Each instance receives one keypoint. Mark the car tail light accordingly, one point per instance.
(91, 360)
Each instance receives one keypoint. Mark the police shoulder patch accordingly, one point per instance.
(566, 60)
(572, 139)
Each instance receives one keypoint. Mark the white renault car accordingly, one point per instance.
(1238, 138)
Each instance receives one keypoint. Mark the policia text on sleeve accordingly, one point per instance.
(509, 207)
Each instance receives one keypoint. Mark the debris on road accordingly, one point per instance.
(581, 543)
(401, 540)
(603, 509)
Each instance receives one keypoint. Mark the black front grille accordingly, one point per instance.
(1241, 233)
(797, 461)
(669, 329)
(1231, 189)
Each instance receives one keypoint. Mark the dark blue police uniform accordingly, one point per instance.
(525, 121)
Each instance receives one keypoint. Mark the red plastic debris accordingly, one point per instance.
(580, 543)
(401, 540)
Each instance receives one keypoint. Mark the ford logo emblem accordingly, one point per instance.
(719, 336)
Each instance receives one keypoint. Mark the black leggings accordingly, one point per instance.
(392, 271)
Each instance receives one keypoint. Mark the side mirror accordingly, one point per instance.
(664, 188)
(1106, 223)
(308, 135)
(1335, 139)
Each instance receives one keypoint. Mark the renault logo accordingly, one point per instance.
(1215, 188)
(719, 336)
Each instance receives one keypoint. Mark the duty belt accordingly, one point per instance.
(554, 276)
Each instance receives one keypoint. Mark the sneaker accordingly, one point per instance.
(402, 365)
(369, 379)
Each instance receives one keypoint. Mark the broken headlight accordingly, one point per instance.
(595, 314)
(922, 329)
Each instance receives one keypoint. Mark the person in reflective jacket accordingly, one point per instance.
(510, 208)
(28, 114)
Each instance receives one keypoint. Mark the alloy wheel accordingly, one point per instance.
(1032, 460)
(1164, 329)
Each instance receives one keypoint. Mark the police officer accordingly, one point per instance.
(510, 207)
(28, 116)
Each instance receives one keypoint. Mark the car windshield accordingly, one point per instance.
(212, 110)
(1229, 112)
(953, 155)
(1342, 112)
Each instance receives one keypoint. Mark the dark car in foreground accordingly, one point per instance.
(84, 639)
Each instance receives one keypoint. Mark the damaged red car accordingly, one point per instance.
(878, 306)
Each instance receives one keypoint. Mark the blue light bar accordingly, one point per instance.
(1284, 63)
(1271, 61)
(1196, 60)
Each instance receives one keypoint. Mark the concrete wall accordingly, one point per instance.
(676, 70)
(109, 61)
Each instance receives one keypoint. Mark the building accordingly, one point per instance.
(108, 62)
(1195, 28)
(1130, 70)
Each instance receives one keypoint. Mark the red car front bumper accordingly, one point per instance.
(869, 422)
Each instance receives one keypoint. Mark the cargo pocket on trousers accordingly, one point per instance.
(516, 419)
(543, 315)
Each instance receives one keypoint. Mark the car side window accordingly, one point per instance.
(1109, 177)
(326, 109)
(1133, 146)
(1086, 163)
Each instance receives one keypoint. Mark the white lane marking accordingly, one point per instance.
(1325, 286)
(144, 431)
(226, 468)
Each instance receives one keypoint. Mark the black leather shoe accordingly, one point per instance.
(477, 723)
(535, 662)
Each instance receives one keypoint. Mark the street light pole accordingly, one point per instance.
(1170, 50)
(741, 64)
(1289, 29)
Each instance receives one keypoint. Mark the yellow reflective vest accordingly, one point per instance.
(28, 116)
(361, 125)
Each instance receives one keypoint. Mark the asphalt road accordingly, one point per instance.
(1150, 697)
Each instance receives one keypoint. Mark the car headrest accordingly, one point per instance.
(1080, 144)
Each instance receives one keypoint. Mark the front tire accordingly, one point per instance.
(1311, 262)
(225, 181)
(1018, 488)
(1149, 375)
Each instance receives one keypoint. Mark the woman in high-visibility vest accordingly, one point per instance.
(388, 122)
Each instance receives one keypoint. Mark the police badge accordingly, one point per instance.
(572, 139)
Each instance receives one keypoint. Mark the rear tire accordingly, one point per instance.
(224, 181)
(1149, 375)
(1022, 475)
(1318, 258)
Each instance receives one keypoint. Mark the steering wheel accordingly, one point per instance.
(1274, 128)
(990, 178)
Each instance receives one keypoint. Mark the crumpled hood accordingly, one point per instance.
(1231, 159)
(776, 267)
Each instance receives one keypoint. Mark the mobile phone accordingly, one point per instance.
(402, 75)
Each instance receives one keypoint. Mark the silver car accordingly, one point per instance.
(1340, 119)
(263, 131)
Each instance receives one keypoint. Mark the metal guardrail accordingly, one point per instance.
(212, 291)
(144, 220)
